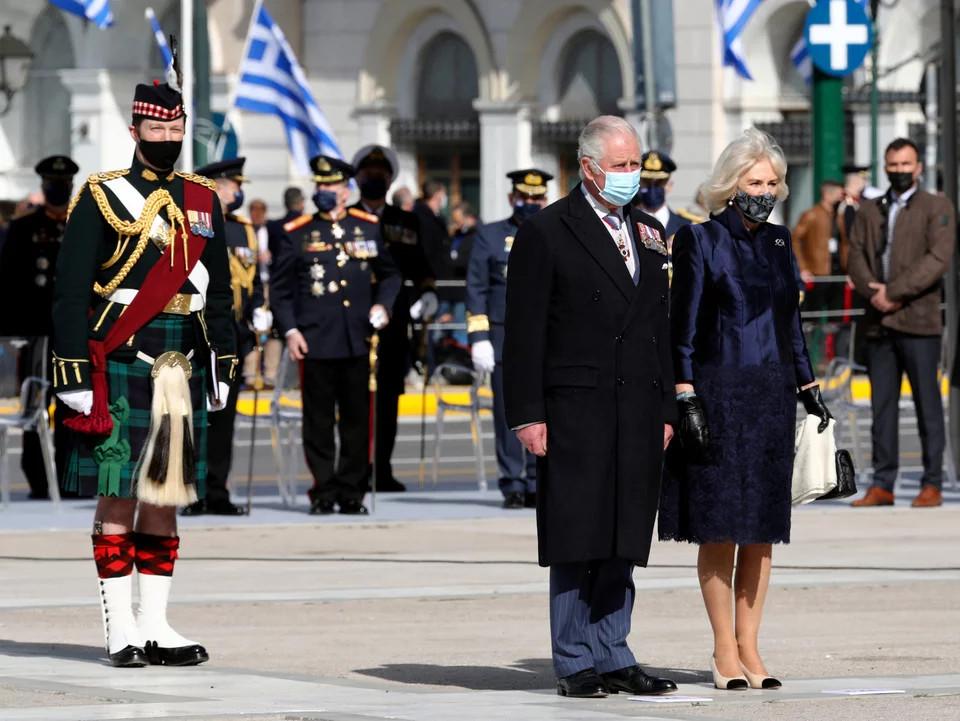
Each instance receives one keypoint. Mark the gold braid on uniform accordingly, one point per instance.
(241, 279)
(155, 202)
(199, 179)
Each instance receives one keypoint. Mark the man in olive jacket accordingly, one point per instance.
(900, 249)
(589, 388)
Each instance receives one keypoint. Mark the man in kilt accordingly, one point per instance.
(143, 348)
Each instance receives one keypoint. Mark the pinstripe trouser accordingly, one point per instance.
(590, 607)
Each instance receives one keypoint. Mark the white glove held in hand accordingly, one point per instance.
(213, 405)
(80, 401)
(426, 306)
(378, 317)
(262, 320)
(482, 354)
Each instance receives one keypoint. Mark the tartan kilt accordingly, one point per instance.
(128, 377)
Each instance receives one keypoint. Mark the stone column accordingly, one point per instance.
(505, 145)
(373, 123)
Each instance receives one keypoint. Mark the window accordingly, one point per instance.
(590, 79)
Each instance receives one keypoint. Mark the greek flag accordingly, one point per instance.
(272, 82)
(734, 15)
(800, 54)
(96, 11)
(161, 39)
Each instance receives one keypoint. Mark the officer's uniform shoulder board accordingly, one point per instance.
(297, 222)
(198, 179)
(687, 215)
(363, 215)
(106, 175)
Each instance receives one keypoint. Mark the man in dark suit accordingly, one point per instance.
(589, 389)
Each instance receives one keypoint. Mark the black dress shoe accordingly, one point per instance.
(225, 508)
(322, 508)
(583, 684)
(353, 508)
(128, 657)
(530, 500)
(513, 500)
(197, 508)
(390, 485)
(632, 679)
(181, 656)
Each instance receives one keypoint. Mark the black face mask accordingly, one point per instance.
(57, 192)
(325, 200)
(900, 182)
(755, 207)
(373, 188)
(161, 154)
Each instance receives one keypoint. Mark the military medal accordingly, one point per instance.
(200, 223)
(317, 272)
(338, 231)
(650, 237)
(342, 257)
(316, 288)
(42, 263)
(332, 287)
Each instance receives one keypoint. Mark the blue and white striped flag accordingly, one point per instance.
(96, 11)
(272, 82)
(161, 39)
(800, 54)
(734, 15)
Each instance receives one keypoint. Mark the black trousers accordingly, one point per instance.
(888, 357)
(393, 364)
(336, 393)
(220, 445)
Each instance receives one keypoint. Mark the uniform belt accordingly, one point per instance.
(180, 304)
(150, 360)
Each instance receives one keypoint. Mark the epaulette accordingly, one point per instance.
(297, 222)
(106, 175)
(363, 215)
(240, 219)
(198, 179)
(687, 215)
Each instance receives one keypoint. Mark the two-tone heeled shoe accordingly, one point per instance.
(759, 680)
(734, 683)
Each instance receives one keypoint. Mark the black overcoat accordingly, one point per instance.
(588, 352)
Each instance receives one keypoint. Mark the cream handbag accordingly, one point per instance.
(815, 461)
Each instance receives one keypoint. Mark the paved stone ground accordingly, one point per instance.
(434, 609)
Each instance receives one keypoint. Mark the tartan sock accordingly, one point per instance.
(114, 554)
(156, 554)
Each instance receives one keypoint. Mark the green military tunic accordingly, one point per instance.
(103, 262)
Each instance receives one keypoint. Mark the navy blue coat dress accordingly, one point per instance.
(736, 336)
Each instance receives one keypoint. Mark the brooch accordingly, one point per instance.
(780, 242)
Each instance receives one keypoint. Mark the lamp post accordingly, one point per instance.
(16, 51)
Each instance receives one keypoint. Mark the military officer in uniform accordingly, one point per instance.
(332, 283)
(242, 249)
(656, 167)
(486, 308)
(27, 266)
(143, 348)
(377, 166)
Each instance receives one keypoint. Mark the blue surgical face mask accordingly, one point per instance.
(653, 197)
(522, 211)
(619, 188)
(325, 200)
(236, 203)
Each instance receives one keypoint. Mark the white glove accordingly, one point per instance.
(482, 354)
(378, 317)
(213, 405)
(426, 306)
(80, 401)
(262, 320)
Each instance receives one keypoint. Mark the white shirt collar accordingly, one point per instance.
(600, 210)
(905, 195)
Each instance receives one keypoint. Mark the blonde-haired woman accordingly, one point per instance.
(741, 361)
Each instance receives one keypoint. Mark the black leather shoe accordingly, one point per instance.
(353, 508)
(583, 684)
(322, 508)
(632, 679)
(197, 508)
(225, 508)
(390, 485)
(513, 500)
(128, 657)
(530, 500)
(181, 656)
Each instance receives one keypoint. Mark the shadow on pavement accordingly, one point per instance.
(418, 499)
(527, 675)
(72, 651)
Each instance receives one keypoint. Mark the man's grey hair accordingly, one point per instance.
(736, 159)
(592, 142)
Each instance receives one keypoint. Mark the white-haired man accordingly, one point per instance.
(589, 390)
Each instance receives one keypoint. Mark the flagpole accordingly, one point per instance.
(186, 65)
(232, 98)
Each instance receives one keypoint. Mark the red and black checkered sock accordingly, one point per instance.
(156, 554)
(114, 554)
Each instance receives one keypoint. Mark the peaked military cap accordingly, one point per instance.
(56, 166)
(158, 101)
(656, 165)
(376, 155)
(855, 168)
(231, 168)
(531, 181)
(327, 169)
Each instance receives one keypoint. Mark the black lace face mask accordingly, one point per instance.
(755, 207)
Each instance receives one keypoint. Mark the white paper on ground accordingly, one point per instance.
(863, 691)
(670, 699)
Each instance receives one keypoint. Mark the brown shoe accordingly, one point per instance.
(929, 497)
(876, 496)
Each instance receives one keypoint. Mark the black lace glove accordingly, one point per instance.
(694, 433)
(814, 405)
